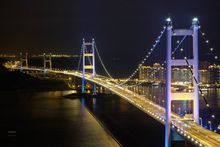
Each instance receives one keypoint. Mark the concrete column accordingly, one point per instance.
(168, 85)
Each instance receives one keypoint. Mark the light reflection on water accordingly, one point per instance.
(49, 119)
(54, 94)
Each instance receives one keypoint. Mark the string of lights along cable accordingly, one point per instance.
(179, 43)
(215, 59)
(183, 53)
(102, 63)
(207, 42)
(80, 57)
(146, 57)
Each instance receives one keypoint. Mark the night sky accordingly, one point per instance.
(124, 30)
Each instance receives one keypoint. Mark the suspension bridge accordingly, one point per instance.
(189, 129)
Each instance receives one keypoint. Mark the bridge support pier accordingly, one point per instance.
(88, 62)
(191, 63)
(47, 61)
(23, 60)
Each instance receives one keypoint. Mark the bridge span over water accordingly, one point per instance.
(189, 130)
(183, 54)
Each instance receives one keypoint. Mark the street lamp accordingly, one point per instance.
(185, 112)
(200, 121)
(210, 125)
(163, 102)
(155, 99)
(173, 107)
(179, 110)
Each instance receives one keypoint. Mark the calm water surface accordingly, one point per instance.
(47, 119)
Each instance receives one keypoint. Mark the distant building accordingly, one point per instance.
(145, 73)
(214, 71)
(208, 74)
(204, 76)
(181, 75)
(152, 74)
(204, 65)
(159, 73)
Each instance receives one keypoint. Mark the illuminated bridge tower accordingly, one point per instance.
(193, 62)
(88, 49)
(47, 61)
(23, 60)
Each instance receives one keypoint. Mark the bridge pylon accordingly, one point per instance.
(88, 58)
(47, 61)
(192, 95)
(23, 60)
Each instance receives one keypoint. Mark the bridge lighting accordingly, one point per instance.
(216, 57)
(168, 19)
(213, 116)
(207, 41)
(203, 34)
(211, 49)
(181, 49)
(195, 19)
(210, 125)
(200, 121)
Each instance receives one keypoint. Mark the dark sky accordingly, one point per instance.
(124, 29)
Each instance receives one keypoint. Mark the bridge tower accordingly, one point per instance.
(193, 62)
(47, 61)
(88, 49)
(24, 60)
